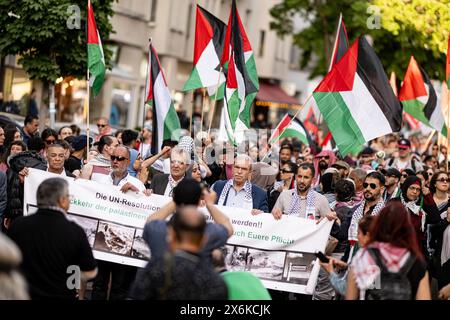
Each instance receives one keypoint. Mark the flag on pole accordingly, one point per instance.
(166, 124)
(242, 79)
(340, 43)
(288, 128)
(447, 69)
(356, 100)
(208, 48)
(419, 99)
(413, 123)
(96, 59)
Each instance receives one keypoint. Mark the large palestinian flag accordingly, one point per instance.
(242, 79)
(166, 124)
(340, 43)
(208, 48)
(356, 100)
(419, 99)
(290, 127)
(96, 59)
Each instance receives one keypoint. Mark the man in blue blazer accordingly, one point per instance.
(239, 192)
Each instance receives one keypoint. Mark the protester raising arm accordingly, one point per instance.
(210, 199)
(163, 213)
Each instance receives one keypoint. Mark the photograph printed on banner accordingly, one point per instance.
(236, 258)
(89, 226)
(140, 249)
(298, 267)
(266, 264)
(114, 238)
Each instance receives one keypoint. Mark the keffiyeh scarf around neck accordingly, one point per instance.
(226, 190)
(357, 215)
(310, 204)
(415, 209)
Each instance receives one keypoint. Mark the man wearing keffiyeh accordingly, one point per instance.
(239, 192)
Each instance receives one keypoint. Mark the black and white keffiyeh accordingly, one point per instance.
(358, 214)
(227, 187)
(415, 209)
(310, 204)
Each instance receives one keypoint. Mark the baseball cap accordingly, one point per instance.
(404, 144)
(341, 165)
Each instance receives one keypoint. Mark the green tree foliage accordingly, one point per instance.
(37, 31)
(407, 27)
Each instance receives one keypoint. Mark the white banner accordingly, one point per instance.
(280, 253)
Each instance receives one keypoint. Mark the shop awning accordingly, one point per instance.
(271, 95)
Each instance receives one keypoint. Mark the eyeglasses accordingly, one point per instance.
(51, 141)
(177, 162)
(415, 189)
(373, 186)
(405, 176)
(286, 171)
(443, 180)
(101, 125)
(114, 158)
(324, 157)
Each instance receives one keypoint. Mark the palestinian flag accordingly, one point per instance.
(340, 43)
(356, 100)
(310, 122)
(419, 99)
(447, 69)
(290, 127)
(242, 79)
(166, 124)
(96, 59)
(208, 48)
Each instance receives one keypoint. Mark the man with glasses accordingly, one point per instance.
(373, 202)
(392, 190)
(121, 275)
(239, 192)
(163, 184)
(103, 128)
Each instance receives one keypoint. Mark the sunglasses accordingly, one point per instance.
(373, 186)
(443, 180)
(49, 141)
(114, 158)
(286, 171)
(405, 176)
(101, 125)
(324, 157)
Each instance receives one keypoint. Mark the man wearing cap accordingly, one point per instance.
(392, 184)
(75, 161)
(405, 159)
(343, 168)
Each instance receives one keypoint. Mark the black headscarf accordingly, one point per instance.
(408, 182)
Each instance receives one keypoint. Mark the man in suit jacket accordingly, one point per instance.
(239, 192)
(163, 184)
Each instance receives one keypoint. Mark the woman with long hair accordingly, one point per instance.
(14, 148)
(392, 257)
(285, 181)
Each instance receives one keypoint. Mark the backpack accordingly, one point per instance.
(392, 285)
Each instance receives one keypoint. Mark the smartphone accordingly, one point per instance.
(323, 258)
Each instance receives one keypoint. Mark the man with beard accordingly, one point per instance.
(286, 151)
(405, 160)
(303, 201)
(392, 184)
(371, 205)
(322, 162)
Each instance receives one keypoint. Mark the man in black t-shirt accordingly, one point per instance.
(56, 253)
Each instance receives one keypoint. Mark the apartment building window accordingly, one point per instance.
(248, 13)
(262, 38)
(154, 5)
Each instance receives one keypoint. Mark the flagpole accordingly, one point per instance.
(145, 98)
(87, 113)
(191, 114)
(215, 101)
(203, 109)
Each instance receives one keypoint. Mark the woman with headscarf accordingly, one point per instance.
(412, 198)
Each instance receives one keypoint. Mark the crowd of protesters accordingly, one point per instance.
(389, 206)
